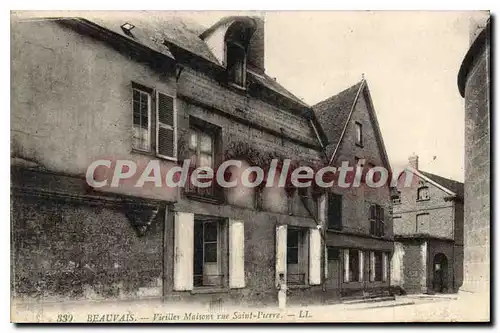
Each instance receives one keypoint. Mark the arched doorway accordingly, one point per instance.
(440, 277)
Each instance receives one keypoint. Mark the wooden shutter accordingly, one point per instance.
(166, 143)
(382, 221)
(236, 254)
(184, 251)
(322, 209)
(314, 257)
(346, 265)
(281, 235)
(372, 266)
(385, 264)
(361, 259)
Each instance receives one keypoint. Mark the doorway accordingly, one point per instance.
(440, 275)
(333, 269)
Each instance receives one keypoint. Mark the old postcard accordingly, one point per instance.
(250, 167)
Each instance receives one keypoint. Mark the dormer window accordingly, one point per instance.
(237, 39)
(236, 63)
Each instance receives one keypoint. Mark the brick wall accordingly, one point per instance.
(441, 212)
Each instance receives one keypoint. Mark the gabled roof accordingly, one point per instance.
(172, 28)
(272, 84)
(333, 113)
(181, 32)
(453, 185)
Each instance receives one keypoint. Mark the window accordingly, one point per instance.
(155, 115)
(166, 135)
(333, 253)
(377, 220)
(236, 63)
(141, 104)
(201, 146)
(359, 134)
(397, 199)
(375, 175)
(334, 211)
(353, 265)
(422, 223)
(296, 256)
(303, 191)
(208, 257)
(423, 193)
(378, 266)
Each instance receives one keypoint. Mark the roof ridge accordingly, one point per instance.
(338, 94)
(445, 178)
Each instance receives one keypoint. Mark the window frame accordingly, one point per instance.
(302, 256)
(222, 253)
(150, 93)
(377, 221)
(331, 225)
(378, 268)
(359, 135)
(417, 220)
(202, 127)
(397, 200)
(420, 189)
(158, 125)
(231, 79)
(354, 277)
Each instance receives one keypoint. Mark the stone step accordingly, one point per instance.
(367, 299)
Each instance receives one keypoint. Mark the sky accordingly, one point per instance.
(410, 61)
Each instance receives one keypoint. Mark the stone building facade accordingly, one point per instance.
(428, 216)
(140, 89)
(474, 86)
(359, 236)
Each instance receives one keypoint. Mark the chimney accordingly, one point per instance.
(413, 160)
(256, 47)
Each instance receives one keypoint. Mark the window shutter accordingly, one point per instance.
(384, 266)
(322, 209)
(372, 266)
(382, 220)
(184, 251)
(361, 256)
(346, 265)
(370, 212)
(166, 144)
(236, 254)
(326, 263)
(281, 235)
(314, 257)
